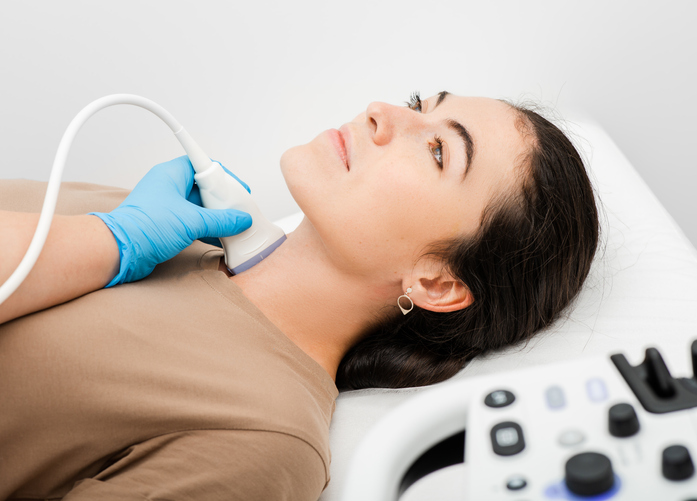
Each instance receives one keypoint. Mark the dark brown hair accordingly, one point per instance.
(526, 263)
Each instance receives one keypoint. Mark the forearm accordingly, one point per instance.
(80, 255)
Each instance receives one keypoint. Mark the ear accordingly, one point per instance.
(441, 293)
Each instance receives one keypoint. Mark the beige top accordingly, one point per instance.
(173, 387)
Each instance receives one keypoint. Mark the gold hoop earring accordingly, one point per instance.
(406, 295)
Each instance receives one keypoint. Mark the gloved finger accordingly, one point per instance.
(179, 173)
(246, 187)
(211, 241)
(223, 223)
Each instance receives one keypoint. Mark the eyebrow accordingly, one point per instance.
(461, 131)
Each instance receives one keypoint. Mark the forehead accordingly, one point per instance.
(493, 125)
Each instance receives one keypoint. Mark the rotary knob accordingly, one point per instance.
(677, 463)
(623, 421)
(589, 474)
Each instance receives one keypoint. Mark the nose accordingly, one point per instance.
(382, 119)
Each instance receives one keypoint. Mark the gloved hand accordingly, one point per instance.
(162, 216)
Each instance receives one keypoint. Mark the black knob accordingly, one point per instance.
(677, 463)
(623, 421)
(657, 374)
(589, 474)
(693, 350)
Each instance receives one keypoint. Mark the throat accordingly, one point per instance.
(318, 307)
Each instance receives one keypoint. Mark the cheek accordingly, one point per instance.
(411, 210)
(383, 190)
(388, 216)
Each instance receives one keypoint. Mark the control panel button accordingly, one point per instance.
(516, 483)
(623, 421)
(596, 390)
(499, 398)
(652, 384)
(507, 438)
(657, 374)
(554, 396)
(677, 463)
(589, 474)
(569, 438)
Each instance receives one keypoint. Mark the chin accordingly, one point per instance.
(289, 163)
(287, 159)
(294, 167)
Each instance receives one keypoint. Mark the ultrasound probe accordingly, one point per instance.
(218, 190)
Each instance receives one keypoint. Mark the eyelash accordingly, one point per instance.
(414, 103)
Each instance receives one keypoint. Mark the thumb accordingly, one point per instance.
(220, 223)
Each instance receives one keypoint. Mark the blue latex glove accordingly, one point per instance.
(162, 216)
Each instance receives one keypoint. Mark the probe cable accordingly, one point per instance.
(195, 154)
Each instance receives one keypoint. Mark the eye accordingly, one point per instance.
(414, 102)
(437, 151)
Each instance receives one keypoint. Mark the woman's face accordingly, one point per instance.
(396, 179)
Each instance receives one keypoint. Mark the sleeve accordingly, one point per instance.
(22, 195)
(210, 466)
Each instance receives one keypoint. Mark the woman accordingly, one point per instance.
(476, 216)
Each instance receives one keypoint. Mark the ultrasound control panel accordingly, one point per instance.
(599, 429)
(594, 429)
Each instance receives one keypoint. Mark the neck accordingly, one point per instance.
(322, 309)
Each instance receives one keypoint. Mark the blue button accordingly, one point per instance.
(596, 389)
(555, 397)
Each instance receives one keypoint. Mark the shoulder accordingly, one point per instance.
(211, 465)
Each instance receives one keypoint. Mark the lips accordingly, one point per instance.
(339, 142)
(346, 136)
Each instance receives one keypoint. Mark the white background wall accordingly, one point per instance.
(250, 79)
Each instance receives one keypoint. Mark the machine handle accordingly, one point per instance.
(400, 437)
